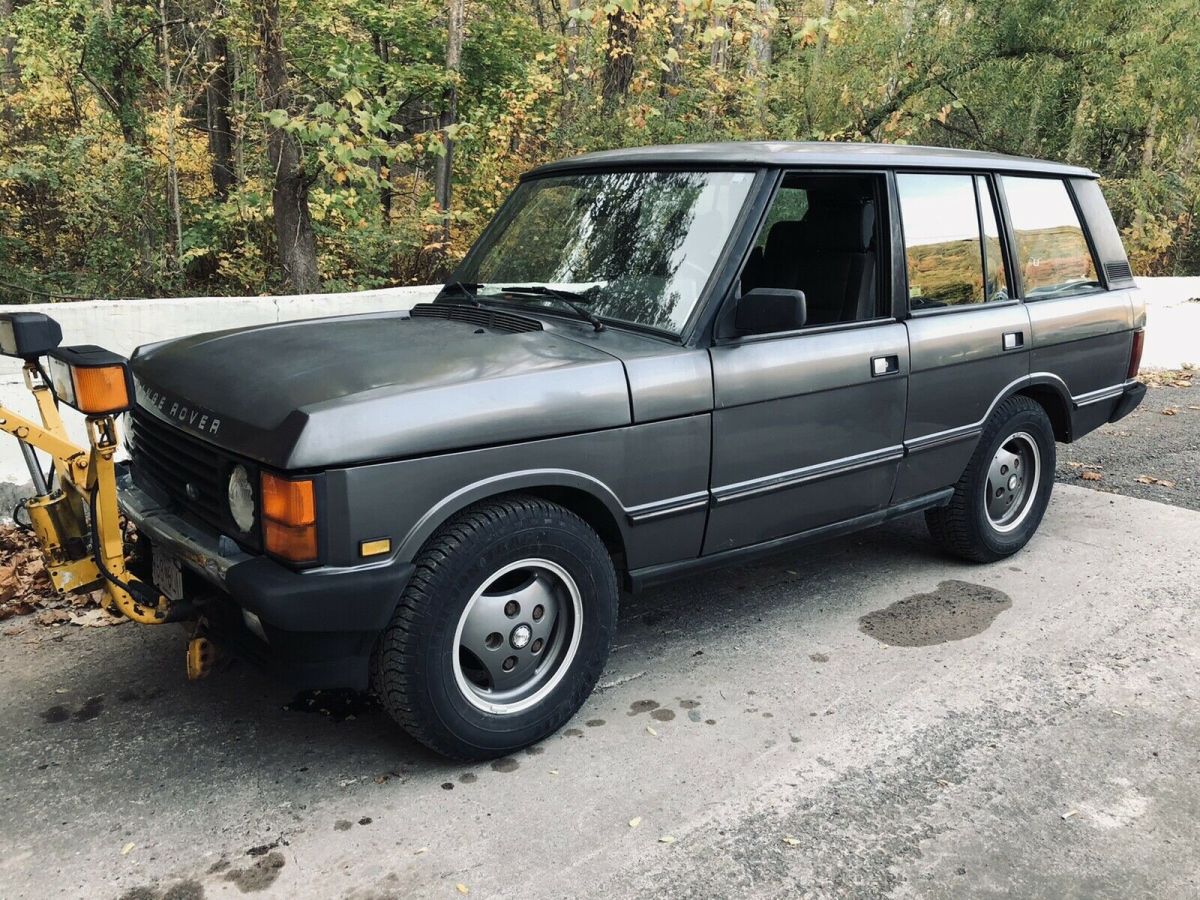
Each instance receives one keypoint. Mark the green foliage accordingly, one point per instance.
(89, 128)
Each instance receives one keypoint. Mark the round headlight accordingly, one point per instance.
(241, 498)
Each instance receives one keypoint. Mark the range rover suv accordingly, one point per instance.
(652, 362)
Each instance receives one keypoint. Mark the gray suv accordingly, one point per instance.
(652, 362)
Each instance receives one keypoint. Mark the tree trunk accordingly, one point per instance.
(1148, 145)
(1029, 146)
(719, 51)
(758, 63)
(218, 95)
(673, 74)
(10, 72)
(380, 164)
(456, 13)
(618, 55)
(1079, 126)
(172, 157)
(293, 223)
(814, 71)
(759, 60)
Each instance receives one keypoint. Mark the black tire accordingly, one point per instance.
(414, 670)
(964, 527)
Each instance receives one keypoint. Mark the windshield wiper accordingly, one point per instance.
(567, 298)
(466, 289)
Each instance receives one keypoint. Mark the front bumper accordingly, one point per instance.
(318, 626)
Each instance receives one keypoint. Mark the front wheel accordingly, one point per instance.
(503, 630)
(1000, 499)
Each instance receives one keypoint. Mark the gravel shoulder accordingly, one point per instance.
(1153, 453)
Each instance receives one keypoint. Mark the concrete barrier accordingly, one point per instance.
(1172, 335)
(122, 325)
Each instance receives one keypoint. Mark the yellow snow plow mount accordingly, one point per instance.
(74, 511)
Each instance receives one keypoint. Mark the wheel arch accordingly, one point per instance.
(1051, 394)
(586, 496)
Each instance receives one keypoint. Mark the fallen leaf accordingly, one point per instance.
(125, 850)
(1170, 411)
(1161, 482)
(635, 821)
(97, 618)
(462, 888)
(53, 617)
(1089, 475)
(791, 841)
(666, 839)
(1182, 383)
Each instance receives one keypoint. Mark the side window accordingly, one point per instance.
(995, 276)
(821, 236)
(941, 240)
(1052, 252)
(790, 205)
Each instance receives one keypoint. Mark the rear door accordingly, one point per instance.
(968, 335)
(1082, 320)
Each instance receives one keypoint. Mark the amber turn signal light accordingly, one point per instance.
(289, 512)
(288, 502)
(92, 380)
(295, 543)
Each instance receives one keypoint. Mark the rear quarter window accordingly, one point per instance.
(1053, 255)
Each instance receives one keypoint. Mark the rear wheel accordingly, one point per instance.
(1000, 499)
(503, 630)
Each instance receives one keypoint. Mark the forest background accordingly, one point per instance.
(209, 147)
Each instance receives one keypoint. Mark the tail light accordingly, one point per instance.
(289, 513)
(1135, 354)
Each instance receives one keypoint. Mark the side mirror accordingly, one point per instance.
(768, 310)
(28, 335)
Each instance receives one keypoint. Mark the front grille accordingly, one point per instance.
(193, 474)
(476, 315)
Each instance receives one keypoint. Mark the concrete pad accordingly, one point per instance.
(1048, 746)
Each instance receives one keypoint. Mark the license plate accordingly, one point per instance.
(168, 575)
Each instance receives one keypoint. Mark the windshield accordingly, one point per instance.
(637, 247)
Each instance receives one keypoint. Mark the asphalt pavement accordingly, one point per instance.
(865, 718)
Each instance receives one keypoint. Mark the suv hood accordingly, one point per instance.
(325, 392)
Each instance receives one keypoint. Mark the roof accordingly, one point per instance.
(828, 154)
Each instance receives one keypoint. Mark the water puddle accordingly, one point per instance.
(955, 611)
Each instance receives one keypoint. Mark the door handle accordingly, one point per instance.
(884, 365)
(1014, 340)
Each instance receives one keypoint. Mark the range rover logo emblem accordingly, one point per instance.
(192, 491)
(176, 411)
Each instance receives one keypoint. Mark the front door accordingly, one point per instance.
(808, 425)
